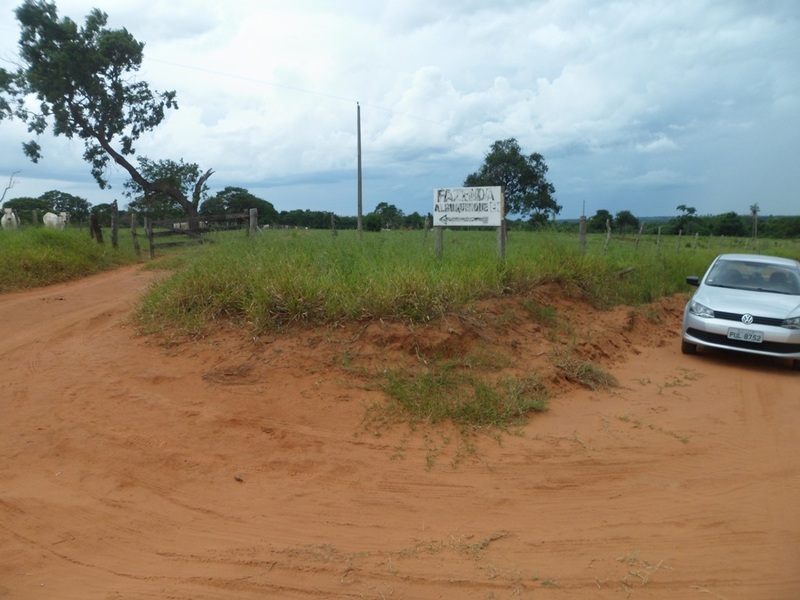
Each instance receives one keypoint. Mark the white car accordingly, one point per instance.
(747, 303)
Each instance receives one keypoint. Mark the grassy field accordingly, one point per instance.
(283, 277)
(34, 256)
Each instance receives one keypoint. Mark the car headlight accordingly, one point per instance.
(701, 311)
(793, 323)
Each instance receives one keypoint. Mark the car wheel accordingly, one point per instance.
(688, 348)
(796, 365)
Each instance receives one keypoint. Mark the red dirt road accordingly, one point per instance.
(233, 469)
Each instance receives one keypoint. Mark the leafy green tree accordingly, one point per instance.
(237, 200)
(84, 79)
(754, 210)
(414, 221)
(729, 224)
(782, 227)
(292, 218)
(626, 222)
(597, 223)
(687, 222)
(77, 207)
(391, 217)
(527, 191)
(373, 222)
(104, 212)
(168, 174)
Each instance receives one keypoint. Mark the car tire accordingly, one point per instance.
(688, 348)
(796, 365)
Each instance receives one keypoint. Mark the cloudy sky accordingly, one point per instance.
(635, 105)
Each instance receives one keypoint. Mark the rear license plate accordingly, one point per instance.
(745, 335)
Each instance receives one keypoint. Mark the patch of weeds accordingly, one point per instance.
(680, 381)
(681, 438)
(399, 453)
(546, 316)
(630, 321)
(583, 372)
(628, 419)
(432, 451)
(652, 314)
(637, 423)
(443, 392)
(545, 582)
(482, 357)
(463, 546)
(639, 571)
(690, 375)
(648, 312)
(468, 450)
(508, 319)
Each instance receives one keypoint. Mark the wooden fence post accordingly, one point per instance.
(582, 234)
(148, 228)
(501, 240)
(253, 222)
(135, 235)
(114, 225)
(439, 242)
(608, 234)
(94, 228)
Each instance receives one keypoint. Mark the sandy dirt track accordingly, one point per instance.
(237, 469)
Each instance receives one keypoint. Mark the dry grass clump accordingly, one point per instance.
(583, 372)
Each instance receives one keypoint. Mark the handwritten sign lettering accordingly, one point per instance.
(468, 207)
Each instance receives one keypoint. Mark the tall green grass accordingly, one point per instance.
(284, 277)
(34, 257)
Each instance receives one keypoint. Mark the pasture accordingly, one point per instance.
(37, 256)
(281, 278)
(285, 277)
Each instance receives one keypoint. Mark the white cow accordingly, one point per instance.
(10, 220)
(53, 221)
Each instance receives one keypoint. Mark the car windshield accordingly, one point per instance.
(756, 276)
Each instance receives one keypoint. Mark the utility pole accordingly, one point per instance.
(360, 227)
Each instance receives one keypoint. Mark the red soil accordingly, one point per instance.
(241, 468)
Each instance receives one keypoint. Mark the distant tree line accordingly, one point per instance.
(385, 216)
(231, 200)
(688, 222)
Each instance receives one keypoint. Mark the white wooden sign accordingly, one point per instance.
(468, 207)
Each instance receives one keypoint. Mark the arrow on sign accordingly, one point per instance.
(446, 219)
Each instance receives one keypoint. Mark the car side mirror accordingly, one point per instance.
(693, 280)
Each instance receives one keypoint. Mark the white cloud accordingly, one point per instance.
(659, 143)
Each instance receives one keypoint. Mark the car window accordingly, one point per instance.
(754, 276)
(784, 281)
(725, 274)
